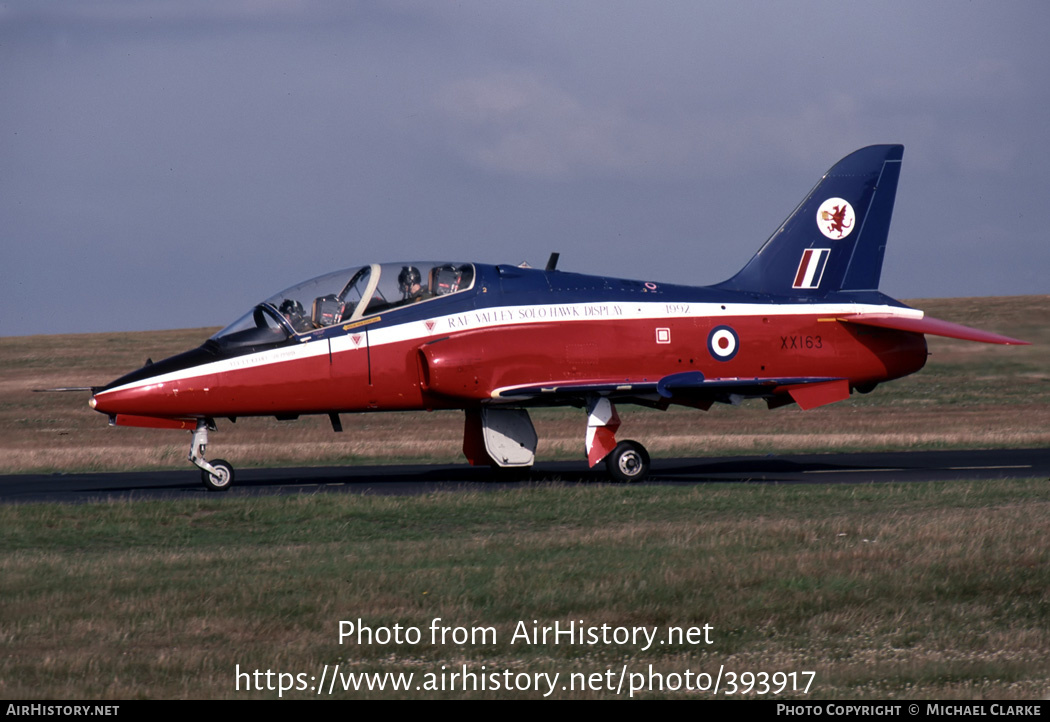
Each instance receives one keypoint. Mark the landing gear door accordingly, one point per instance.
(499, 437)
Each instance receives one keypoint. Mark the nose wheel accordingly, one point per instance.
(217, 475)
(221, 478)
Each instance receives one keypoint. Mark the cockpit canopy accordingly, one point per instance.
(344, 296)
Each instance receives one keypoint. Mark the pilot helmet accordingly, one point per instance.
(408, 277)
(291, 307)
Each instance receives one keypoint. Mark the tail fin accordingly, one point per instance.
(836, 238)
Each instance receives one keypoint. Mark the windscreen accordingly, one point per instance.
(347, 294)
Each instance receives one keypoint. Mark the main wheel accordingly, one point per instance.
(628, 462)
(221, 481)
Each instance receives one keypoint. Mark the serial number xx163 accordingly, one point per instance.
(788, 343)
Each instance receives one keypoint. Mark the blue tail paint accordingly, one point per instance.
(834, 241)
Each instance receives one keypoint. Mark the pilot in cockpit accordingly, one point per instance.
(410, 283)
(295, 315)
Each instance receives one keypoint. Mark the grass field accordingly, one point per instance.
(901, 591)
(883, 591)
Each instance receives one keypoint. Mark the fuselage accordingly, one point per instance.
(515, 327)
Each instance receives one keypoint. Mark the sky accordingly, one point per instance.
(169, 163)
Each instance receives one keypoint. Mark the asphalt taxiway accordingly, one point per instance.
(857, 468)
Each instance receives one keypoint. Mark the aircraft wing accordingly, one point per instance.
(689, 387)
(807, 391)
(932, 326)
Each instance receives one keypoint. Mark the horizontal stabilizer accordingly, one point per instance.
(932, 326)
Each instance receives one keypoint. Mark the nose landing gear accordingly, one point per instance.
(216, 475)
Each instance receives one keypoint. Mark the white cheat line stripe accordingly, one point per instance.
(516, 316)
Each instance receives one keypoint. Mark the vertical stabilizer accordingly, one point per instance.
(836, 238)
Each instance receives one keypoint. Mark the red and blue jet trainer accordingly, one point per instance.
(803, 322)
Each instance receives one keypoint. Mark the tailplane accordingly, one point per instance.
(836, 238)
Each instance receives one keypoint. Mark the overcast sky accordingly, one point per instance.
(168, 164)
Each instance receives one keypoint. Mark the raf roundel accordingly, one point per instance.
(723, 343)
(835, 218)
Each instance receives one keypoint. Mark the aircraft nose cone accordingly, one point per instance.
(118, 401)
(100, 402)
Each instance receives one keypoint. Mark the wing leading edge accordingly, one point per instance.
(689, 387)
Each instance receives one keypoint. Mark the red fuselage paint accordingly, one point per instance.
(457, 369)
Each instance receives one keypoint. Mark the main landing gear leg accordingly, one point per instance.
(217, 475)
(626, 461)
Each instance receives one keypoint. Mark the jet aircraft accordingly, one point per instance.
(803, 322)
